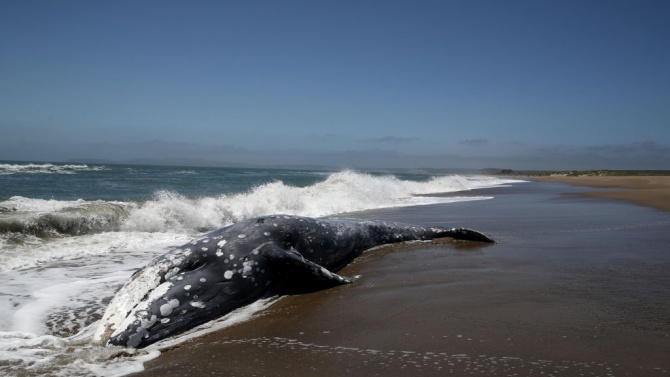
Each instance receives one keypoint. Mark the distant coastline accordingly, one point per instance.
(649, 188)
(577, 173)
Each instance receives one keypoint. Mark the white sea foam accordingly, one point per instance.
(56, 286)
(341, 192)
(168, 211)
(34, 252)
(46, 169)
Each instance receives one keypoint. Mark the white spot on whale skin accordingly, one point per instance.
(241, 235)
(165, 320)
(198, 304)
(187, 287)
(202, 280)
(167, 308)
(204, 249)
(266, 233)
(205, 240)
(221, 243)
(228, 274)
(219, 253)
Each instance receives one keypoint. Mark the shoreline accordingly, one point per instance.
(650, 191)
(573, 286)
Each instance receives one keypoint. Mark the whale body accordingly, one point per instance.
(241, 263)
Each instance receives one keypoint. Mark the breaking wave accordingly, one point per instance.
(168, 211)
(46, 218)
(6, 169)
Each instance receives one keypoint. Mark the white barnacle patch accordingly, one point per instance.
(122, 310)
(241, 235)
(204, 240)
(202, 280)
(165, 320)
(221, 243)
(219, 253)
(198, 304)
(228, 274)
(275, 224)
(144, 323)
(187, 252)
(187, 287)
(168, 307)
(170, 274)
(232, 256)
(204, 249)
(266, 233)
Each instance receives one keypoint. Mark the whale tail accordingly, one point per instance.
(468, 235)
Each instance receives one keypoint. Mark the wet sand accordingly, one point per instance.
(653, 191)
(574, 286)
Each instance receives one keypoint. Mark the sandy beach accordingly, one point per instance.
(576, 285)
(653, 191)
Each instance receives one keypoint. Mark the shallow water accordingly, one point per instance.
(70, 235)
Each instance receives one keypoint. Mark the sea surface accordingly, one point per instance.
(72, 234)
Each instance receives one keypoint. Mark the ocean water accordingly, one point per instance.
(72, 234)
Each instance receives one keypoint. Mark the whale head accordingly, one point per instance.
(178, 291)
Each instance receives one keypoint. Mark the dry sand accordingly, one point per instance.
(574, 286)
(653, 191)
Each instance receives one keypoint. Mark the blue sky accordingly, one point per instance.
(510, 84)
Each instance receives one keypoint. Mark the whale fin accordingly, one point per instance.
(468, 235)
(298, 273)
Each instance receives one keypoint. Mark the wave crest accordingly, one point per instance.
(345, 191)
(47, 218)
(168, 211)
(6, 169)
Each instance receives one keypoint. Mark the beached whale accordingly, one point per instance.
(241, 263)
